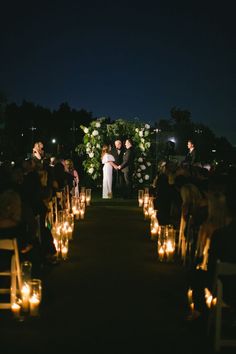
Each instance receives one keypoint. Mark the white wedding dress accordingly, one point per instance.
(107, 176)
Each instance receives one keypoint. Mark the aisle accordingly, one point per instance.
(111, 295)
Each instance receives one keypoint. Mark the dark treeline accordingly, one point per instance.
(22, 125)
(181, 127)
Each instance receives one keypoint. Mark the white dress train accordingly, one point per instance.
(107, 176)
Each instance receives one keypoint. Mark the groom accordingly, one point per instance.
(127, 167)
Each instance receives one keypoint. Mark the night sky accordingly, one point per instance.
(123, 59)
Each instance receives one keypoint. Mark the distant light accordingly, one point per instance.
(213, 150)
(207, 166)
(22, 134)
(53, 141)
(173, 140)
(12, 163)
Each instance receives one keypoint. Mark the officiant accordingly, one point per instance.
(118, 178)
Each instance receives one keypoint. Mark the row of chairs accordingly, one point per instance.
(13, 274)
(216, 317)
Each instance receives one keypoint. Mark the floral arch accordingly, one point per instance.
(100, 132)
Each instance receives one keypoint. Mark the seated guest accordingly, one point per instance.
(222, 247)
(12, 226)
(223, 244)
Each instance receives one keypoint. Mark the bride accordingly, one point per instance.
(108, 164)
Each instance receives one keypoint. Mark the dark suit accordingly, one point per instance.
(118, 178)
(191, 157)
(127, 167)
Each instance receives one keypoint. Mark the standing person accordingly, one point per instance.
(191, 157)
(38, 153)
(69, 168)
(108, 164)
(117, 182)
(127, 167)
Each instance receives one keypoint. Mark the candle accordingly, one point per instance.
(190, 295)
(161, 253)
(34, 305)
(154, 232)
(169, 250)
(88, 196)
(25, 292)
(16, 310)
(81, 214)
(64, 251)
(145, 214)
(208, 297)
(69, 232)
(140, 197)
(140, 202)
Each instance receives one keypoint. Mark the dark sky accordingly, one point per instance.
(123, 59)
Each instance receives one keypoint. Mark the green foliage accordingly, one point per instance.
(101, 132)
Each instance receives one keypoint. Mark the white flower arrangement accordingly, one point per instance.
(95, 133)
(141, 146)
(140, 133)
(99, 132)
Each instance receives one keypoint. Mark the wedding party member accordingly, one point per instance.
(38, 153)
(108, 164)
(118, 180)
(191, 157)
(127, 167)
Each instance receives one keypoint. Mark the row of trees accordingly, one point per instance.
(180, 127)
(22, 125)
(60, 130)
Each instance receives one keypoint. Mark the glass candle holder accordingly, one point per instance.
(35, 297)
(26, 268)
(88, 196)
(140, 197)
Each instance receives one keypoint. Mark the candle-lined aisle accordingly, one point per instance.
(111, 295)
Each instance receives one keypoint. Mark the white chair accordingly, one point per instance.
(14, 273)
(216, 314)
